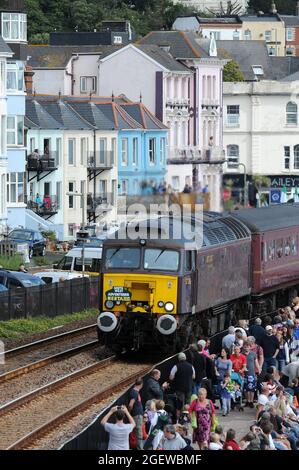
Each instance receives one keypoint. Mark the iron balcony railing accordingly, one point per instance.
(42, 162)
(44, 205)
(101, 159)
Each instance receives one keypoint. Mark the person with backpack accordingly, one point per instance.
(182, 376)
(156, 430)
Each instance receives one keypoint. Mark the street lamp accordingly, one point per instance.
(82, 196)
(245, 181)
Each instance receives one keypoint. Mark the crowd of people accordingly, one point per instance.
(257, 367)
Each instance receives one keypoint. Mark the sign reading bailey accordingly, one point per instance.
(119, 294)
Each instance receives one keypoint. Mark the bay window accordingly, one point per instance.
(14, 26)
(15, 76)
(15, 130)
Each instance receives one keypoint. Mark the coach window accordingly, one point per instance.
(271, 250)
(279, 248)
(294, 245)
(287, 247)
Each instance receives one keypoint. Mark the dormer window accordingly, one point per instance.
(165, 47)
(14, 26)
(258, 70)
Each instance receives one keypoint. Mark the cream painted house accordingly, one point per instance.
(261, 127)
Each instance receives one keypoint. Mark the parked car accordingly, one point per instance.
(72, 261)
(56, 276)
(15, 279)
(3, 288)
(34, 239)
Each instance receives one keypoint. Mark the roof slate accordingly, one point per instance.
(55, 57)
(4, 48)
(183, 45)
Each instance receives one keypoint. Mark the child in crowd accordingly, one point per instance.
(215, 443)
(227, 389)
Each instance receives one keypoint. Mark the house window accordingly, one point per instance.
(291, 111)
(268, 35)
(113, 150)
(103, 189)
(296, 157)
(247, 35)
(236, 35)
(83, 85)
(135, 151)
(258, 70)
(290, 51)
(233, 155)
(3, 135)
(71, 228)
(287, 156)
(103, 150)
(124, 152)
(2, 77)
(290, 34)
(271, 50)
(117, 40)
(88, 84)
(162, 151)
(83, 151)
(15, 130)
(124, 187)
(175, 182)
(233, 115)
(72, 151)
(15, 76)
(15, 187)
(14, 26)
(71, 198)
(152, 151)
(58, 151)
(216, 34)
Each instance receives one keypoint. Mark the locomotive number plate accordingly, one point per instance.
(119, 293)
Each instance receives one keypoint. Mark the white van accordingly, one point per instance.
(73, 260)
(58, 276)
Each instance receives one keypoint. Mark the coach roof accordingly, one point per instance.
(266, 219)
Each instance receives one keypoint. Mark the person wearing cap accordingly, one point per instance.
(229, 339)
(270, 345)
(182, 376)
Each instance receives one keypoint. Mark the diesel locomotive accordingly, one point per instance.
(162, 293)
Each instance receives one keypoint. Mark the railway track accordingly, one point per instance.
(23, 359)
(30, 417)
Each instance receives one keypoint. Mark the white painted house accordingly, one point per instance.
(261, 126)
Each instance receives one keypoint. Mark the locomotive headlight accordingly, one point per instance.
(169, 306)
(160, 304)
(107, 322)
(109, 304)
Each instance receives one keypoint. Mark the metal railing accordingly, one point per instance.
(100, 202)
(44, 205)
(50, 300)
(46, 162)
(101, 159)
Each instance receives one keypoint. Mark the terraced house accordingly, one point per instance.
(82, 153)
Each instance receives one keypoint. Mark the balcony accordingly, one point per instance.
(45, 206)
(97, 162)
(38, 164)
(192, 155)
(180, 156)
(178, 107)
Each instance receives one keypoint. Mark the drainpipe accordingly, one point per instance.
(71, 74)
(95, 160)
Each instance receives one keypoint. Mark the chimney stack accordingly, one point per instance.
(29, 79)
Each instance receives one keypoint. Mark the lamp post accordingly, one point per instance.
(245, 181)
(82, 196)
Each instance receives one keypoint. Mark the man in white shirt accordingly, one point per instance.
(118, 432)
(229, 339)
(263, 401)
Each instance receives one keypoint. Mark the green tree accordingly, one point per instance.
(232, 72)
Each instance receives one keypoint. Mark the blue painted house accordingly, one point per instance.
(142, 151)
